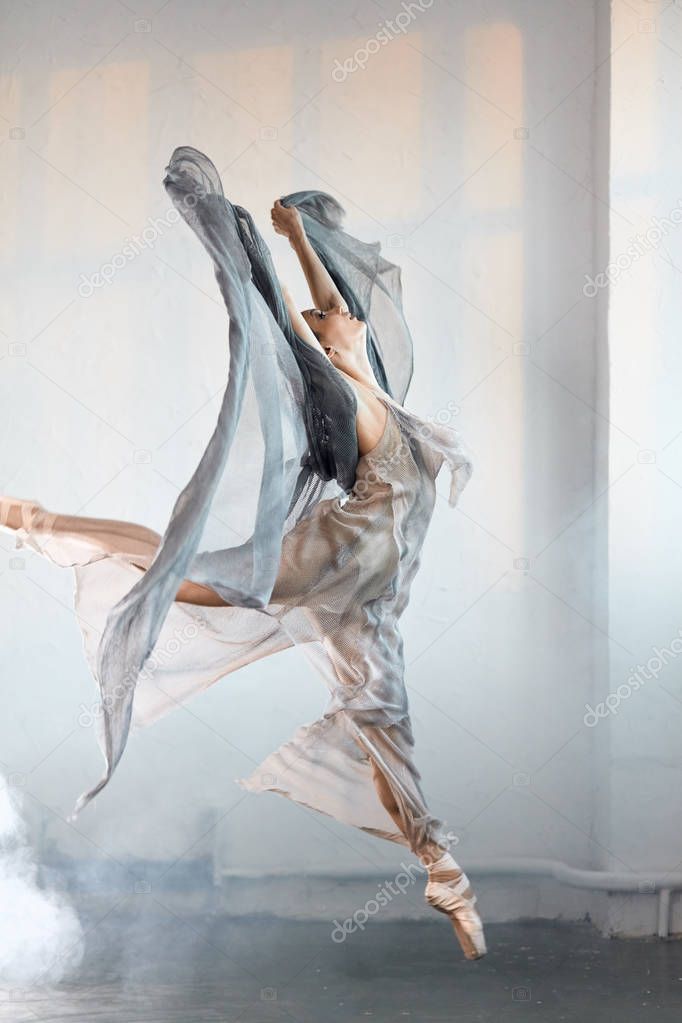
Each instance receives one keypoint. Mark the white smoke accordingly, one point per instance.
(41, 939)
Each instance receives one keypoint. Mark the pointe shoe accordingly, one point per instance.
(28, 512)
(36, 529)
(446, 895)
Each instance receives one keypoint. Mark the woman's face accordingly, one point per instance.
(336, 329)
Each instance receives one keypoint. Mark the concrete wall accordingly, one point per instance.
(466, 145)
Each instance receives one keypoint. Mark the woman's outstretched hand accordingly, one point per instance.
(287, 220)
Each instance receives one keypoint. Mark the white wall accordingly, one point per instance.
(643, 794)
(466, 146)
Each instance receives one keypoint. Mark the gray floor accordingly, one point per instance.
(194, 968)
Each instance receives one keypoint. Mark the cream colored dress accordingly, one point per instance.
(343, 583)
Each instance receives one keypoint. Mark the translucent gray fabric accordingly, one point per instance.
(306, 443)
(342, 584)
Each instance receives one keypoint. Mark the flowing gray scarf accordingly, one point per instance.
(304, 407)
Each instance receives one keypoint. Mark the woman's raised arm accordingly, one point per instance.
(287, 220)
(301, 328)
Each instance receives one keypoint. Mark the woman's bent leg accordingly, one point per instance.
(110, 536)
(92, 538)
(115, 536)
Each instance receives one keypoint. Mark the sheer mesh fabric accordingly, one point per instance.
(333, 544)
(343, 582)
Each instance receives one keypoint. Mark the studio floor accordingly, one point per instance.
(161, 968)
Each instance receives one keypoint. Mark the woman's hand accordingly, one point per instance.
(287, 220)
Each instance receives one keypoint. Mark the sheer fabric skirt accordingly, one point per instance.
(342, 584)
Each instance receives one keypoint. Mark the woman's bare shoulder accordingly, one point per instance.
(371, 416)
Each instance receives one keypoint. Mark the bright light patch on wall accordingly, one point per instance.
(98, 200)
(501, 73)
(371, 117)
(10, 156)
(492, 248)
(259, 80)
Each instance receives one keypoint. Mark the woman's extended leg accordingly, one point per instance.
(100, 537)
